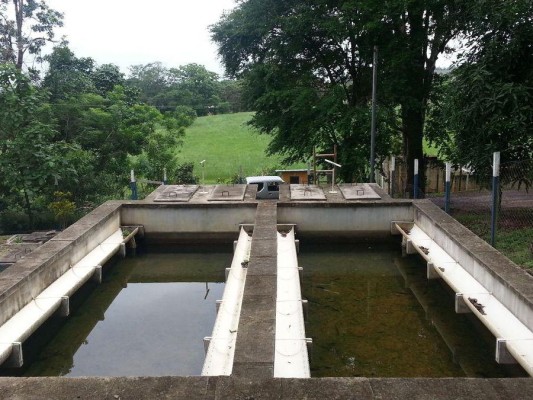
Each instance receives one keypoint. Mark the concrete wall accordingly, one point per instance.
(26, 279)
(510, 284)
(188, 221)
(358, 220)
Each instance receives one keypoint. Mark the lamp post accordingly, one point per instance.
(202, 163)
(333, 177)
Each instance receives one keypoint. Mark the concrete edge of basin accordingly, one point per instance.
(242, 388)
(500, 267)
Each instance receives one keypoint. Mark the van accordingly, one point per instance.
(267, 186)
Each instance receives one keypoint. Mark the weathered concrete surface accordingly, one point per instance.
(255, 346)
(228, 193)
(510, 284)
(361, 191)
(226, 388)
(176, 193)
(26, 279)
(188, 220)
(306, 193)
(369, 219)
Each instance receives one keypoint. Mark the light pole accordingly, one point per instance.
(373, 123)
(333, 177)
(202, 163)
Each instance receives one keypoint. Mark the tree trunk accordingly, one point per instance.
(19, 17)
(413, 131)
(28, 208)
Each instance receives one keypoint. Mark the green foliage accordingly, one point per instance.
(30, 158)
(486, 104)
(307, 69)
(184, 115)
(183, 174)
(191, 85)
(67, 75)
(26, 27)
(63, 208)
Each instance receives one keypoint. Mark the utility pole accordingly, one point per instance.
(373, 124)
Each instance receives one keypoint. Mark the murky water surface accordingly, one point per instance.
(148, 318)
(372, 312)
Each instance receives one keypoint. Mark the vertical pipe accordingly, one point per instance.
(448, 187)
(164, 176)
(495, 196)
(133, 185)
(373, 123)
(392, 170)
(415, 180)
(314, 166)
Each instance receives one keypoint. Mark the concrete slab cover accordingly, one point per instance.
(176, 193)
(228, 193)
(307, 192)
(361, 191)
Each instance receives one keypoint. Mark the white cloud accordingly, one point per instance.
(128, 32)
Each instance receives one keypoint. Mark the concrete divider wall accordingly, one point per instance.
(26, 279)
(188, 220)
(368, 219)
(510, 284)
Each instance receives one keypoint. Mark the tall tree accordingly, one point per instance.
(25, 27)
(486, 105)
(331, 42)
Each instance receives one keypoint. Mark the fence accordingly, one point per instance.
(498, 210)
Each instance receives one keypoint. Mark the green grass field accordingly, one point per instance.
(228, 145)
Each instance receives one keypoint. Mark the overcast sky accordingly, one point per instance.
(129, 32)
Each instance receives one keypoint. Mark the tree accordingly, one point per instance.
(150, 79)
(30, 158)
(486, 104)
(194, 86)
(67, 75)
(329, 45)
(105, 77)
(191, 85)
(25, 27)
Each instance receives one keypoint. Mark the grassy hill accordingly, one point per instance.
(227, 144)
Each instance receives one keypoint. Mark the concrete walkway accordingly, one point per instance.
(254, 350)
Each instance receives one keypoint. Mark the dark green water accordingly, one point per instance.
(372, 313)
(148, 318)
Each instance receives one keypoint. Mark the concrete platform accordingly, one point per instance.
(218, 388)
(227, 193)
(361, 191)
(307, 192)
(176, 193)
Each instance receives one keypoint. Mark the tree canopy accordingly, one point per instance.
(190, 85)
(25, 27)
(326, 47)
(486, 104)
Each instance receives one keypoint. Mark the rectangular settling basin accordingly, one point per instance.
(147, 318)
(373, 313)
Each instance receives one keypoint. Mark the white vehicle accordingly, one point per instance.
(267, 186)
